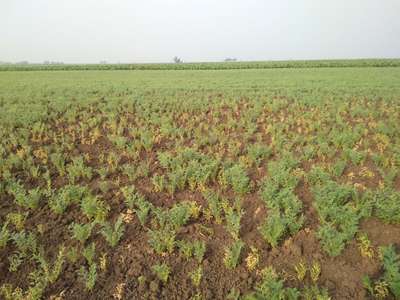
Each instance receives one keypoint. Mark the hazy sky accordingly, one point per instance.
(197, 30)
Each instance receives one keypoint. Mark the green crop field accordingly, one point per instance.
(260, 182)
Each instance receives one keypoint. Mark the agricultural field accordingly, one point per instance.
(269, 183)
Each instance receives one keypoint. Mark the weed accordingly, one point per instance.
(72, 255)
(4, 235)
(236, 177)
(131, 196)
(94, 208)
(232, 254)
(89, 252)
(273, 229)
(77, 170)
(391, 266)
(23, 199)
(271, 287)
(387, 205)
(162, 272)
(180, 214)
(314, 292)
(113, 234)
(50, 273)
(81, 232)
(58, 161)
(163, 240)
(257, 153)
(142, 211)
(214, 205)
(89, 276)
(234, 294)
(185, 248)
(65, 197)
(339, 218)
(233, 221)
(25, 242)
(199, 249)
(284, 206)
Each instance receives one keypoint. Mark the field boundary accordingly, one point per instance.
(346, 63)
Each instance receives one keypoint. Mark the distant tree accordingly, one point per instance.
(23, 62)
(178, 60)
(103, 62)
(230, 59)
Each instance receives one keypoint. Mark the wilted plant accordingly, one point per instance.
(196, 276)
(103, 262)
(159, 182)
(315, 271)
(252, 259)
(17, 219)
(391, 267)
(15, 260)
(364, 245)
(301, 270)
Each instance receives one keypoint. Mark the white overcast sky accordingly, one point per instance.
(197, 30)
